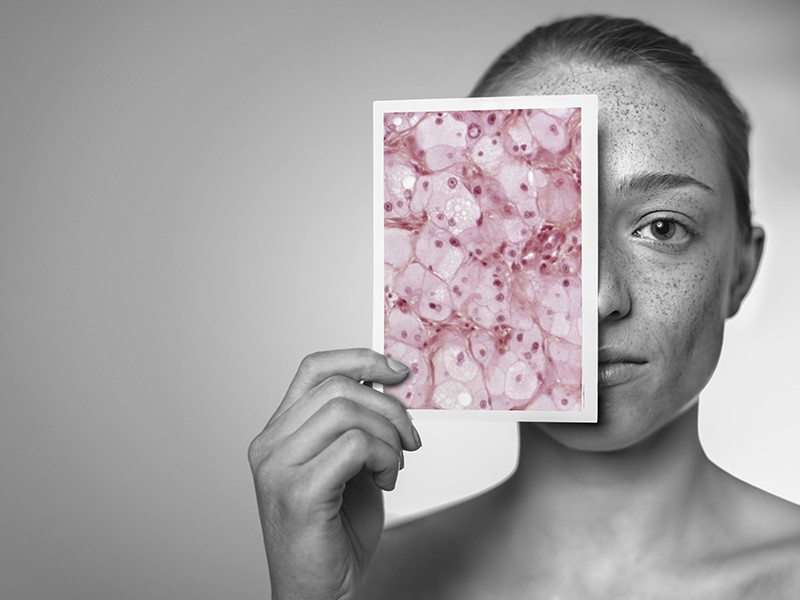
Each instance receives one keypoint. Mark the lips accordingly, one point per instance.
(616, 367)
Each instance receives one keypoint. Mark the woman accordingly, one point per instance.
(629, 507)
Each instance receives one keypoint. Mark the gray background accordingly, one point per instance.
(185, 212)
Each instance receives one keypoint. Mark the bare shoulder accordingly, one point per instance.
(765, 553)
(767, 572)
(762, 517)
(777, 553)
(405, 557)
(431, 557)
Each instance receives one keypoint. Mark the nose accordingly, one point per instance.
(613, 294)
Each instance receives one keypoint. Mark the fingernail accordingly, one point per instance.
(417, 439)
(395, 366)
(402, 462)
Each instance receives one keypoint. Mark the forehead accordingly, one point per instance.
(644, 125)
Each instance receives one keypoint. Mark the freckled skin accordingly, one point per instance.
(666, 307)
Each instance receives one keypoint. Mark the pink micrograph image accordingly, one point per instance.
(482, 251)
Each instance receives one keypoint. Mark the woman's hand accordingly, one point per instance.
(319, 467)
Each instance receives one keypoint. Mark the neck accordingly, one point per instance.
(634, 499)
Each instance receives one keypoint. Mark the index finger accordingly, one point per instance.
(359, 364)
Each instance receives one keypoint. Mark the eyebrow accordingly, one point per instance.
(650, 182)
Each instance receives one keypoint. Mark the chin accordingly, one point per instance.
(592, 437)
(616, 430)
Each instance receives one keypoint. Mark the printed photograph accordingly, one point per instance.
(485, 256)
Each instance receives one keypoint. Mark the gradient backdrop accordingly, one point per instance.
(185, 212)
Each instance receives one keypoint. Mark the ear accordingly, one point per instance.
(749, 258)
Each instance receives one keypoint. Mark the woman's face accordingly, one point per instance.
(670, 263)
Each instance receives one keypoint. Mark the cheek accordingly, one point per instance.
(685, 312)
